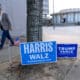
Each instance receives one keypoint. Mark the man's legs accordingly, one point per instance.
(3, 39)
(9, 37)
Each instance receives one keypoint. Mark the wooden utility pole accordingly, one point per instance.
(34, 20)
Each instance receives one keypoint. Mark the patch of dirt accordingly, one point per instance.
(49, 71)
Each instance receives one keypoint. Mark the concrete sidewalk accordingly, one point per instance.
(8, 53)
(74, 73)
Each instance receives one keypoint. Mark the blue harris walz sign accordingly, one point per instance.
(38, 52)
(67, 50)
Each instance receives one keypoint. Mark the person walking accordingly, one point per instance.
(5, 26)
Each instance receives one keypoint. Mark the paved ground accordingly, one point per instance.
(74, 73)
(8, 53)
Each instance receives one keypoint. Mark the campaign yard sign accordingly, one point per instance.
(67, 50)
(38, 52)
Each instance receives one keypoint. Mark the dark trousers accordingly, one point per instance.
(5, 35)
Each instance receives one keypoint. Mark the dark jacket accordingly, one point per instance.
(6, 24)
